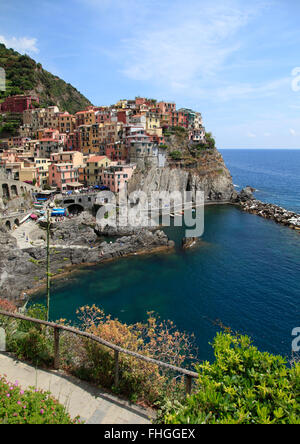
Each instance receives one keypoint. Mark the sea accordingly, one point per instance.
(245, 275)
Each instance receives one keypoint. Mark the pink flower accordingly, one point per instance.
(22, 392)
(19, 402)
(8, 395)
(42, 411)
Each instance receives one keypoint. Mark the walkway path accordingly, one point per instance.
(27, 234)
(90, 403)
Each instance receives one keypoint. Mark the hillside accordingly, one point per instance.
(24, 75)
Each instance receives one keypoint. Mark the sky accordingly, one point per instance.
(236, 62)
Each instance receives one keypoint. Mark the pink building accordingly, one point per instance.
(116, 177)
(63, 175)
(50, 133)
(167, 107)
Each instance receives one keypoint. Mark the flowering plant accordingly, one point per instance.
(30, 406)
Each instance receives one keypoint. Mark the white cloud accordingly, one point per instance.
(187, 44)
(293, 132)
(247, 90)
(251, 135)
(24, 45)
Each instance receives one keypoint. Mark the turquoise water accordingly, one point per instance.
(245, 274)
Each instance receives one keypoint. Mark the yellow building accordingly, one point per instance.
(42, 168)
(87, 117)
(66, 122)
(153, 125)
(93, 169)
(27, 174)
(121, 104)
(92, 137)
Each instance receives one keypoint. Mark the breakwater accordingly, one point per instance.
(272, 212)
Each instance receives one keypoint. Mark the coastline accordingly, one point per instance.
(272, 212)
(142, 242)
(73, 269)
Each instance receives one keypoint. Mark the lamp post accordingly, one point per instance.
(48, 263)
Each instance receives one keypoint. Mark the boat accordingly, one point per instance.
(58, 212)
(25, 218)
(37, 205)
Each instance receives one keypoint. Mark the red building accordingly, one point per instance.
(18, 104)
(122, 116)
(73, 141)
(116, 152)
(103, 114)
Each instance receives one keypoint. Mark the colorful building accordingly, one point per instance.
(18, 104)
(116, 177)
(61, 175)
(94, 168)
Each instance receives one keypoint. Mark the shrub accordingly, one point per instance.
(88, 360)
(176, 155)
(138, 379)
(30, 406)
(7, 306)
(211, 143)
(243, 386)
(31, 341)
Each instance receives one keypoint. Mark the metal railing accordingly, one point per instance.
(188, 374)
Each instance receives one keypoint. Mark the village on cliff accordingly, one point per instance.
(97, 147)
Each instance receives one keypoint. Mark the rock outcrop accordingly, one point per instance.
(248, 203)
(22, 271)
(207, 173)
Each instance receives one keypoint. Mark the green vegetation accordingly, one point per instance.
(176, 155)
(179, 130)
(90, 361)
(9, 124)
(30, 406)
(243, 386)
(24, 75)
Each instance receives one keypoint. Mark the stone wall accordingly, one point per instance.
(10, 189)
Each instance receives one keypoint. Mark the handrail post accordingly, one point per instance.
(116, 368)
(189, 375)
(56, 348)
(188, 384)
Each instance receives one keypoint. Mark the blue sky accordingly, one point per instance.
(232, 60)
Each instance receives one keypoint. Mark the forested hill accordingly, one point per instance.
(24, 75)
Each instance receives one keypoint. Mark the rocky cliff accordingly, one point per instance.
(72, 244)
(187, 167)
